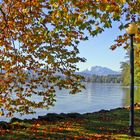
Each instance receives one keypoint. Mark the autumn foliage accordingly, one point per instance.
(39, 42)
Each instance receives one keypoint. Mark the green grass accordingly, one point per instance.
(101, 125)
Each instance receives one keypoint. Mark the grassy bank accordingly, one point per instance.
(101, 125)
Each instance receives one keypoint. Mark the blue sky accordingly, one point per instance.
(96, 50)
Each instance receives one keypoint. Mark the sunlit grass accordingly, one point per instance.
(112, 124)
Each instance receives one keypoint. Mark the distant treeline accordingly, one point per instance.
(103, 79)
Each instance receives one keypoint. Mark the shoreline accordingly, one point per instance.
(61, 115)
(136, 107)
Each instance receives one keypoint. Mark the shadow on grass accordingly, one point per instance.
(101, 125)
(116, 121)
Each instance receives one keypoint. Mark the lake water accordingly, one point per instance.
(94, 98)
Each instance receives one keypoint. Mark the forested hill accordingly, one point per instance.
(103, 79)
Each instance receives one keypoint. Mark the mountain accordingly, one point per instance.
(98, 70)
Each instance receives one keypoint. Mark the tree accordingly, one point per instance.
(42, 37)
(125, 73)
(125, 66)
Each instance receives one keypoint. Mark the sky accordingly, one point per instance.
(97, 52)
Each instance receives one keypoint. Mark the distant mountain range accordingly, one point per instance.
(98, 70)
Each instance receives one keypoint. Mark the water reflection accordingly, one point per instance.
(126, 99)
(94, 98)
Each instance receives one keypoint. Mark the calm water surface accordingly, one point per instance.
(94, 98)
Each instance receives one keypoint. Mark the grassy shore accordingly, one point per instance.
(102, 125)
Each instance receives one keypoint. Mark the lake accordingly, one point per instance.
(95, 97)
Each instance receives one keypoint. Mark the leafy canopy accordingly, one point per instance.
(39, 41)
